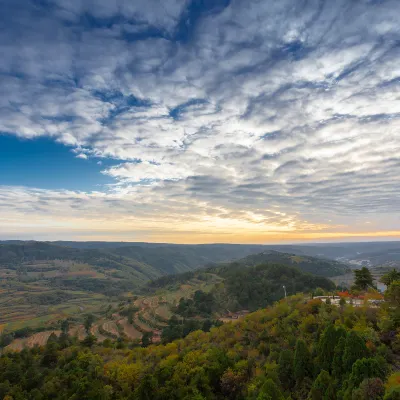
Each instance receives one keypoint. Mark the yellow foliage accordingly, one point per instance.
(393, 382)
(123, 373)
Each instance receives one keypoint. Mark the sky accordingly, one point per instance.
(197, 121)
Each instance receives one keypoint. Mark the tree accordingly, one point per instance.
(337, 363)
(366, 368)
(285, 368)
(371, 389)
(354, 349)
(322, 388)
(393, 395)
(393, 293)
(147, 339)
(89, 340)
(302, 366)
(270, 390)
(88, 322)
(327, 344)
(363, 278)
(65, 326)
(390, 277)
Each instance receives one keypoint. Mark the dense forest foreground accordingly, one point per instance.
(300, 348)
(268, 326)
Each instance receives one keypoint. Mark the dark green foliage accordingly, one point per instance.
(312, 265)
(322, 388)
(147, 339)
(256, 287)
(390, 277)
(202, 304)
(270, 390)
(180, 328)
(326, 346)
(285, 369)
(88, 322)
(367, 368)
(363, 278)
(89, 341)
(337, 363)
(354, 349)
(302, 365)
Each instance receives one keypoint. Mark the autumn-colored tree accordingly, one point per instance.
(370, 389)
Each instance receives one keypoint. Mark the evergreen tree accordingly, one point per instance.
(392, 295)
(366, 368)
(337, 364)
(390, 277)
(285, 369)
(322, 388)
(88, 322)
(363, 278)
(354, 349)
(302, 365)
(326, 347)
(270, 391)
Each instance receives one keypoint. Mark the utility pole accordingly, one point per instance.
(284, 288)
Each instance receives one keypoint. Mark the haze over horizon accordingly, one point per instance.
(205, 121)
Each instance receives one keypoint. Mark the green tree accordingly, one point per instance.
(390, 277)
(322, 388)
(270, 390)
(370, 389)
(393, 395)
(392, 294)
(354, 349)
(147, 339)
(89, 340)
(302, 365)
(65, 326)
(285, 368)
(337, 363)
(326, 346)
(363, 278)
(88, 322)
(367, 368)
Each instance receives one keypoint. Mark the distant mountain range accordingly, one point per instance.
(368, 253)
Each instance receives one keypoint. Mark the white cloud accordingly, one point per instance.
(267, 104)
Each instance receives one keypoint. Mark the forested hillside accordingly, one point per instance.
(312, 265)
(138, 263)
(298, 349)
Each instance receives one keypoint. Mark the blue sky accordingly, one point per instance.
(200, 120)
(49, 165)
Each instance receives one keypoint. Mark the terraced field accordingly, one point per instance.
(129, 330)
(38, 339)
(152, 316)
